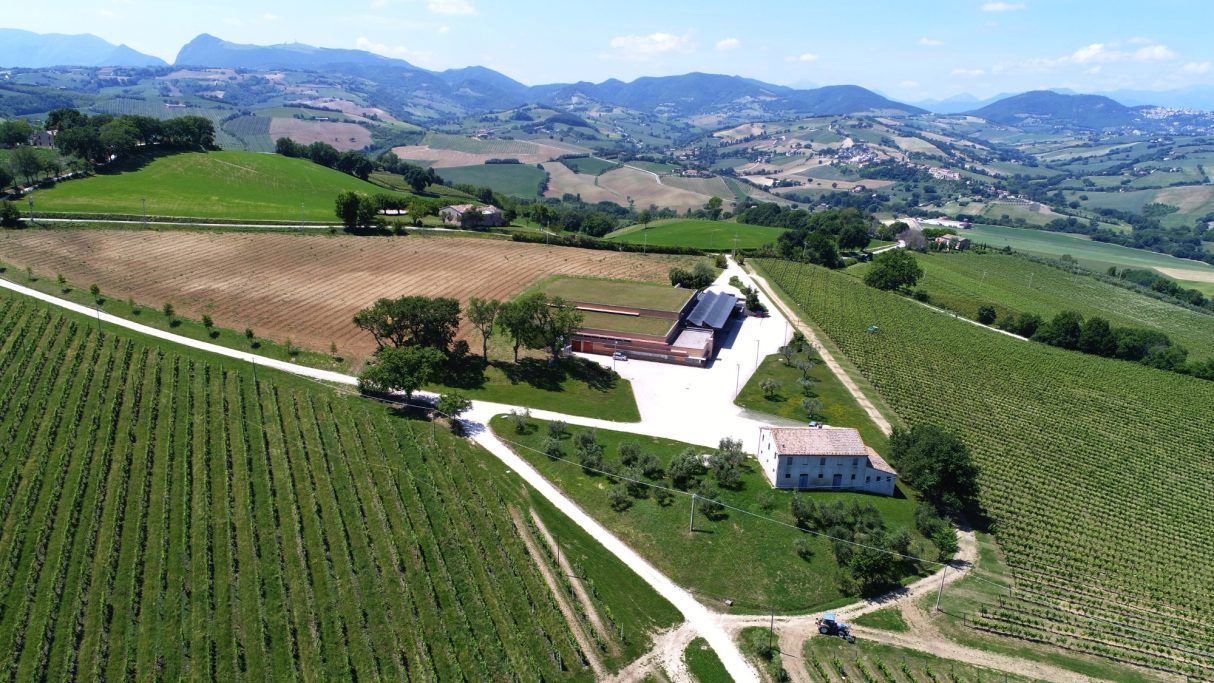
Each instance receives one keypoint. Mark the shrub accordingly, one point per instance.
(986, 314)
(521, 420)
(619, 499)
(630, 452)
(552, 448)
(651, 466)
(804, 549)
(685, 469)
(167, 309)
(557, 429)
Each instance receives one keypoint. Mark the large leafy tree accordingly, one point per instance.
(517, 319)
(482, 313)
(411, 321)
(553, 326)
(401, 370)
(893, 270)
(938, 464)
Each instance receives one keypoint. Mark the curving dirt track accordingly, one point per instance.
(302, 286)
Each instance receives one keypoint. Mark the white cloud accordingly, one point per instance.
(640, 48)
(909, 84)
(444, 29)
(269, 16)
(803, 57)
(968, 73)
(727, 44)
(930, 42)
(1195, 68)
(1154, 53)
(1002, 6)
(451, 7)
(398, 51)
(1096, 52)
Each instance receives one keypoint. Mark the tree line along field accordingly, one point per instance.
(1096, 472)
(166, 515)
(964, 281)
(305, 287)
(698, 233)
(240, 186)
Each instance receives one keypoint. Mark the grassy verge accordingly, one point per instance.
(887, 619)
(746, 556)
(704, 664)
(839, 407)
(763, 648)
(574, 386)
(825, 342)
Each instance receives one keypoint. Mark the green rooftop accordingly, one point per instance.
(618, 293)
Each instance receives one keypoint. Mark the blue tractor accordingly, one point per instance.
(828, 625)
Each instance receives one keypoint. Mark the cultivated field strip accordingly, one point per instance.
(169, 518)
(1097, 472)
(306, 288)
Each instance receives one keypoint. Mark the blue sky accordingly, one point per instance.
(906, 49)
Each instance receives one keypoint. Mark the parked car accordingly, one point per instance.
(619, 355)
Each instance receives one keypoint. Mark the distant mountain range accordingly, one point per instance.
(473, 89)
(1048, 107)
(40, 50)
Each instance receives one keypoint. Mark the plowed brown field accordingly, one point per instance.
(306, 288)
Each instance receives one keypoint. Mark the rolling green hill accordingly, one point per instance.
(698, 233)
(234, 185)
(1095, 471)
(518, 180)
(170, 513)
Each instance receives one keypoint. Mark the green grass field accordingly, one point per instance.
(240, 186)
(704, 664)
(616, 293)
(699, 234)
(1096, 256)
(173, 514)
(627, 323)
(1070, 447)
(740, 557)
(963, 282)
(519, 180)
(589, 165)
(839, 408)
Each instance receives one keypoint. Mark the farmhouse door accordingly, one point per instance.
(803, 482)
(837, 481)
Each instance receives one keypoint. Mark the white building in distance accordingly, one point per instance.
(823, 459)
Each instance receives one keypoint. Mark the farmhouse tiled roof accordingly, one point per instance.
(818, 441)
(878, 463)
(460, 208)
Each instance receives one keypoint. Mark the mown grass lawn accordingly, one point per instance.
(700, 234)
(704, 664)
(839, 409)
(742, 556)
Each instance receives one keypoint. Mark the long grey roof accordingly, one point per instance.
(712, 310)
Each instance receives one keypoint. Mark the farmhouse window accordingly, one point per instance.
(822, 462)
(853, 477)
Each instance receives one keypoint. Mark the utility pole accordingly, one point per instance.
(144, 202)
(940, 593)
(691, 522)
(771, 632)
(737, 378)
(301, 215)
(31, 203)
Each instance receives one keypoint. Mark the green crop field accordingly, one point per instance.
(740, 557)
(463, 143)
(1092, 255)
(616, 293)
(169, 514)
(234, 185)
(589, 165)
(699, 234)
(1011, 284)
(519, 180)
(1095, 471)
(626, 323)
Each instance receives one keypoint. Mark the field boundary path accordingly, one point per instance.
(698, 616)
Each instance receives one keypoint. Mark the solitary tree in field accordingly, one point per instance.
(95, 291)
(770, 388)
(986, 314)
(401, 370)
(555, 325)
(482, 313)
(208, 324)
(167, 309)
(893, 270)
(26, 163)
(518, 317)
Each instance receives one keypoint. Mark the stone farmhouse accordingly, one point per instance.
(824, 459)
(468, 215)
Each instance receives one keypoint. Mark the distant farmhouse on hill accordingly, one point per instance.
(823, 458)
(467, 215)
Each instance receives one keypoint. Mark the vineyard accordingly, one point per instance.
(1096, 472)
(306, 288)
(167, 516)
(1011, 284)
(831, 660)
